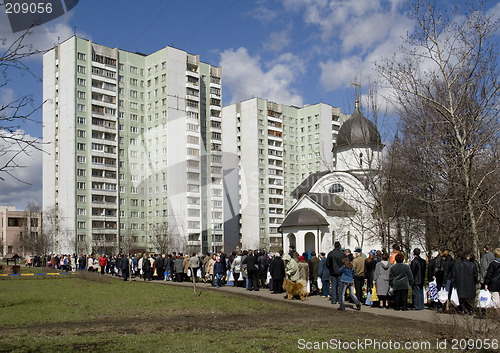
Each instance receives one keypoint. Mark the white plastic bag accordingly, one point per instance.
(484, 299)
(268, 278)
(454, 297)
(443, 295)
(320, 283)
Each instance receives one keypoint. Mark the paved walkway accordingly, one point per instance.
(317, 301)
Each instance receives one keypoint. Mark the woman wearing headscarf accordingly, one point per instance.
(381, 278)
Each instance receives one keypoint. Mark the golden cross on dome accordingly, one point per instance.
(356, 89)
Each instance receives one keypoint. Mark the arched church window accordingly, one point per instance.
(336, 188)
(361, 159)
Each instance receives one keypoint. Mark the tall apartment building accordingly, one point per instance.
(133, 149)
(269, 149)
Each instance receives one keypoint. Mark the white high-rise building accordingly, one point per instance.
(133, 149)
(269, 149)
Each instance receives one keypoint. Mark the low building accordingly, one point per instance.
(17, 229)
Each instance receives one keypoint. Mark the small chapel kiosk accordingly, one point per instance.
(337, 205)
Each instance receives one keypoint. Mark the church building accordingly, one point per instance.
(338, 205)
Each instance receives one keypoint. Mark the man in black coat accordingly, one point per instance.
(252, 271)
(465, 276)
(125, 267)
(263, 262)
(160, 266)
(492, 280)
(334, 263)
(277, 271)
(169, 266)
(417, 267)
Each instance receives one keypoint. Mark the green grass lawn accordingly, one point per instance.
(72, 314)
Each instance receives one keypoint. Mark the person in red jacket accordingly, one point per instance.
(103, 261)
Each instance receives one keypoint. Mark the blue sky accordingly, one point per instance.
(288, 51)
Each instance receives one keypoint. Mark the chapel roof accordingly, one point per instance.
(331, 203)
(358, 130)
(307, 184)
(304, 217)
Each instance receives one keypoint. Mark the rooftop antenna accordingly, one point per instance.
(357, 88)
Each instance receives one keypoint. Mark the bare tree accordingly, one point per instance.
(446, 89)
(15, 111)
(180, 240)
(128, 241)
(51, 227)
(162, 238)
(33, 240)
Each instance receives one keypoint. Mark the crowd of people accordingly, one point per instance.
(377, 278)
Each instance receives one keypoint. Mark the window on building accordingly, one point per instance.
(336, 188)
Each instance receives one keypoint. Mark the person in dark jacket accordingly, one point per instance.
(252, 271)
(324, 274)
(492, 280)
(370, 263)
(347, 280)
(277, 272)
(417, 267)
(313, 273)
(146, 268)
(263, 262)
(160, 267)
(168, 265)
(465, 276)
(218, 271)
(82, 262)
(125, 267)
(334, 263)
(486, 259)
(400, 279)
(179, 268)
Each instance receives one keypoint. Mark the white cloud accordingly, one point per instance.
(337, 74)
(7, 96)
(263, 14)
(357, 25)
(244, 77)
(388, 37)
(28, 187)
(494, 12)
(40, 38)
(278, 41)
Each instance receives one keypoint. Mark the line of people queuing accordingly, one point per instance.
(58, 262)
(391, 278)
(335, 275)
